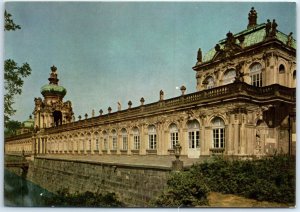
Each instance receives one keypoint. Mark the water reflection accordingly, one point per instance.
(22, 193)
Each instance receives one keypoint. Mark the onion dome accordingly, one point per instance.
(29, 123)
(53, 88)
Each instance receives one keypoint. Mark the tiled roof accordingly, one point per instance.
(252, 36)
(53, 89)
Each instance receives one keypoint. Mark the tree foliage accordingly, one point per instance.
(184, 189)
(13, 75)
(13, 82)
(270, 179)
(9, 24)
(12, 127)
(86, 199)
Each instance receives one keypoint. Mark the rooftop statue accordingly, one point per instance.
(252, 17)
(268, 27)
(274, 26)
(289, 39)
(271, 28)
(199, 56)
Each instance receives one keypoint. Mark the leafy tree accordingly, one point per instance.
(9, 23)
(13, 75)
(12, 127)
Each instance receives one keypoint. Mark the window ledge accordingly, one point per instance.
(113, 151)
(217, 150)
(135, 151)
(123, 151)
(151, 151)
(171, 151)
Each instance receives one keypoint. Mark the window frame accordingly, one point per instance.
(152, 137)
(218, 133)
(256, 75)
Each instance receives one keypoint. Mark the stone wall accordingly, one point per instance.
(134, 185)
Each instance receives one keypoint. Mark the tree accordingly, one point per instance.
(12, 127)
(9, 23)
(13, 75)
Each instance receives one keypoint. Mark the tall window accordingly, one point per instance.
(210, 83)
(256, 75)
(136, 138)
(75, 142)
(173, 135)
(194, 134)
(281, 69)
(294, 75)
(124, 139)
(218, 128)
(105, 140)
(152, 137)
(89, 147)
(114, 140)
(70, 144)
(229, 76)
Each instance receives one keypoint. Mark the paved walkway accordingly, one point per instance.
(141, 160)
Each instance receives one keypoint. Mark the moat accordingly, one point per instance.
(19, 192)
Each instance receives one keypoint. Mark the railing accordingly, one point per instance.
(221, 92)
(17, 137)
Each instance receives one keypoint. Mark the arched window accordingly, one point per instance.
(82, 143)
(136, 138)
(152, 137)
(194, 134)
(75, 143)
(256, 74)
(70, 143)
(209, 81)
(281, 69)
(89, 145)
(229, 76)
(114, 140)
(294, 74)
(105, 140)
(173, 135)
(124, 139)
(218, 128)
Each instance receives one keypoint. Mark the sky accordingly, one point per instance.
(107, 52)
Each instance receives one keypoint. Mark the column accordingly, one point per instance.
(144, 140)
(236, 136)
(84, 140)
(93, 142)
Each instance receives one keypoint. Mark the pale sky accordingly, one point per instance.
(112, 51)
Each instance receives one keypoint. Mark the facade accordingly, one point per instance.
(244, 106)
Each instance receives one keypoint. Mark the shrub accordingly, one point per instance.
(86, 199)
(184, 190)
(270, 179)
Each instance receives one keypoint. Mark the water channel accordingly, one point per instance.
(19, 192)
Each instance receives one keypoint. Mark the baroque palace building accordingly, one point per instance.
(245, 105)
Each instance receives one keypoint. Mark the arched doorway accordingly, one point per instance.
(193, 128)
(57, 115)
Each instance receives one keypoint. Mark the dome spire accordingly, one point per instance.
(53, 76)
(53, 88)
